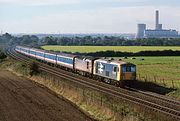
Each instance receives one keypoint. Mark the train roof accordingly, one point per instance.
(87, 57)
(66, 55)
(48, 51)
(113, 61)
(35, 49)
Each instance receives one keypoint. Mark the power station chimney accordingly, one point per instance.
(157, 20)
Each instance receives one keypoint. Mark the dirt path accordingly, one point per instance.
(23, 100)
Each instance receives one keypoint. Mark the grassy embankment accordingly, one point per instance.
(98, 105)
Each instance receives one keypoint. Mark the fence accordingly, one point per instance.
(173, 83)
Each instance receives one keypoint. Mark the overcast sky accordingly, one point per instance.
(86, 16)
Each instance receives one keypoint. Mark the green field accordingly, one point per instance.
(87, 49)
(158, 69)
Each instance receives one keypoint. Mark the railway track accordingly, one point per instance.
(153, 102)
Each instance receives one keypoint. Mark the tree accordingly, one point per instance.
(49, 40)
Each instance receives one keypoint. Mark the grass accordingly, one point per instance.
(175, 94)
(11, 65)
(87, 49)
(159, 69)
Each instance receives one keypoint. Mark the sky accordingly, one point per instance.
(86, 16)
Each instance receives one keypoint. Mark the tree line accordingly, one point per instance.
(108, 41)
(131, 54)
(112, 53)
(32, 40)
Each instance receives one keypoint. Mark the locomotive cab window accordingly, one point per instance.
(129, 68)
(133, 69)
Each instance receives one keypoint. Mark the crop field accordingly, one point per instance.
(164, 70)
(87, 49)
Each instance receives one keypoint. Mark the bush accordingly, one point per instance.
(2, 55)
(34, 68)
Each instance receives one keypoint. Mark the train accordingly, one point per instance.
(111, 71)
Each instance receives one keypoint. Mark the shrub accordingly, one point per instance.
(2, 55)
(34, 68)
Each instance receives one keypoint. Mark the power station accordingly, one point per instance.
(158, 32)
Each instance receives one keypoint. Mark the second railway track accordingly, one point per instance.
(157, 103)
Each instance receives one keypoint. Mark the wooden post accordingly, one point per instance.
(101, 100)
(139, 76)
(58, 82)
(164, 82)
(146, 78)
(92, 100)
(83, 93)
(155, 79)
(44, 77)
(160, 80)
(54, 80)
(173, 83)
(112, 106)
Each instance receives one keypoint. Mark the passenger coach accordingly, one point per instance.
(66, 60)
